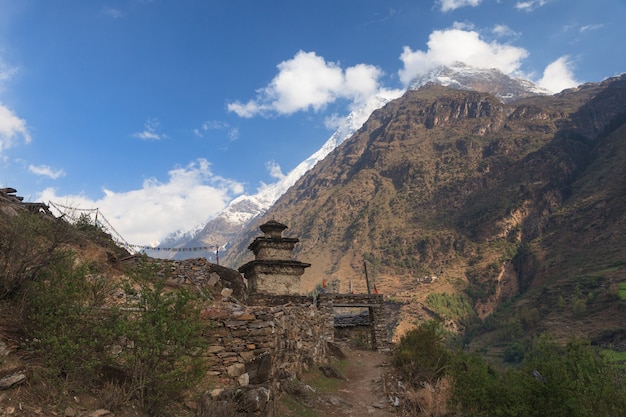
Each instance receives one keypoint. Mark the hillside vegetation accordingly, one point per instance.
(79, 332)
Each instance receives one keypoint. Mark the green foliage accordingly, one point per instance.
(85, 224)
(421, 354)
(160, 339)
(450, 306)
(514, 352)
(28, 242)
(622, 290)
(552, 381)
(67, 330)
(75, 335)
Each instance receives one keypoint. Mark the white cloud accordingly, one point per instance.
(504, 31)
(274, 170)
(12, 129)
(46, 171)
(150, 131)
(558, 76)
(530, 5)
(308, 82)
(588, 28)
(448, 46)
(449, 5)
(232, 133)
(190, 196)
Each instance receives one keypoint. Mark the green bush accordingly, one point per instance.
(28, 243)
(159, 340)
(552, 381)
(450, 306)
(67, 329)
(421, 354)
(155, 337)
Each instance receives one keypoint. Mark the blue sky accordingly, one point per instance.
(159, 112)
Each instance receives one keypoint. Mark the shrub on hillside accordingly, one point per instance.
(162, 336)
(421, 354)
(149, 345)
(28, 243)
(552, 381)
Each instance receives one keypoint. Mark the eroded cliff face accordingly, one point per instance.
(453, 184)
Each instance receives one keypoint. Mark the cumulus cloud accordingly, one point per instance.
(190, 196)
(449, 5)
(448, 46)
(46, 171)
(150, 131)
(308, 82)
(12, 129)
(558, 75)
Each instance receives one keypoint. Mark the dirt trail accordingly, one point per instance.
(361, 394)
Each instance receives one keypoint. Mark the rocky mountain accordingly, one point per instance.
(227, 227)
(459, 204)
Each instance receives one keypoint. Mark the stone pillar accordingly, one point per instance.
(273, 271)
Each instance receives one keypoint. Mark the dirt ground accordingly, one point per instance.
(361, 393)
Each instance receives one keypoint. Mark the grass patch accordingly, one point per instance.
(316, 379)
(621, 292)
(450, 306)
(617, 357)
(289, 406)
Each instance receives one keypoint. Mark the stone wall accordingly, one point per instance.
(197, 272)
(255, 344)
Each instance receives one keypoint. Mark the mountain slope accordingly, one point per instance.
(227, 227)
(480, 194)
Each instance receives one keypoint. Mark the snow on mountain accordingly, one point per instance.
(486, 80)
(228, 224)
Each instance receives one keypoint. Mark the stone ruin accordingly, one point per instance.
(264, 331)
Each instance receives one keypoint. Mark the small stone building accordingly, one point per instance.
(273, 271)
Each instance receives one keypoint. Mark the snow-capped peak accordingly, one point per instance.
(488, 80)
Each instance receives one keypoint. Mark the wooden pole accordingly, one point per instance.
(367, 281)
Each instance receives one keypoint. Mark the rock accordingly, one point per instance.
(335, 350)
(213, 279)
(11, 380)
(100, 413)
(244, 380)
(254, 399)
(260, 368)
(216, 392)
(69, 412)
(87, 400)
(236, 369)
(227, 292)
(338, 401)
(330, 372)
